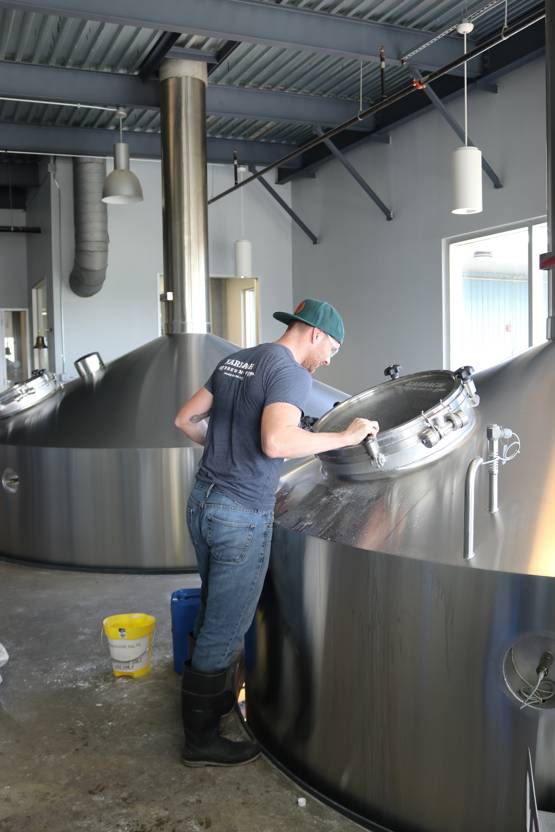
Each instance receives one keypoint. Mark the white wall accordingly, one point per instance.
(268, 228)
(13, 263)
(386, 277)
(124, 314)
(39, 255)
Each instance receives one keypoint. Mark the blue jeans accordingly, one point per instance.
(232, 545)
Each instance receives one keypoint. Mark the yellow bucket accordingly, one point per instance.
(130, 641)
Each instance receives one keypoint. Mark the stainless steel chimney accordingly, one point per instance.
(183, 119)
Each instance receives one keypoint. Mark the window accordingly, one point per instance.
(248, 316)
(497, 296)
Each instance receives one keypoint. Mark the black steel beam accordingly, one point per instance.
(287, 208)
(159, 51)
(76, 141)
(223, 54)
(356, 176)
(255, 22)
(186, 53)
(77, 86)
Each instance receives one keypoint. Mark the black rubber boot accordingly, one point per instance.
(234, 679)
(204, 699)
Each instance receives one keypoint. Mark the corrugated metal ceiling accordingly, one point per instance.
(72, 42)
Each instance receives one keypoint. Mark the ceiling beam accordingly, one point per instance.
(76, 141)
(268, 105)
(254, 22)
(159, 52)
(186, 53)
(500, 60)
(78, 86)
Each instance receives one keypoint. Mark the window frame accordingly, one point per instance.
(447, 242)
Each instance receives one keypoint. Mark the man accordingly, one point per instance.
(255, 399)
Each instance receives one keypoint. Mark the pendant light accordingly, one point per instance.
(243, 247)
(467, 160)
(121, 186)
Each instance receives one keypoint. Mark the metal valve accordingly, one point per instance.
(465, 375)
(393, 371)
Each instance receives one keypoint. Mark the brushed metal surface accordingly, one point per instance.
(378, 680)
(103, 474)
(118, 508)
(422, 417)
(421, 514)
(185, 206)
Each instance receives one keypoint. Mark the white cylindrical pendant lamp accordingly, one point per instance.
(243, 258)
(467, 181)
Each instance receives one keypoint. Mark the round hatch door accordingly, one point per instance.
(422, 417)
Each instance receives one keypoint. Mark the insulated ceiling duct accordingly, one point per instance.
(91, 227)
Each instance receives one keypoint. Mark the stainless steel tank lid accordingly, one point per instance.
(34, 390)
(422, 417)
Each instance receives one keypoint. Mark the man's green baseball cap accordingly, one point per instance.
(316, 313)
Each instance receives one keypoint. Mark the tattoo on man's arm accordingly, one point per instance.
(200, 417)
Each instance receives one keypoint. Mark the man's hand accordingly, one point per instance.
(281, 435)
(359, 429)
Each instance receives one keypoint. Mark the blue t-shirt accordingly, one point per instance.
(242, 385)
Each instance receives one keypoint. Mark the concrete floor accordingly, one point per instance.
(81, 750)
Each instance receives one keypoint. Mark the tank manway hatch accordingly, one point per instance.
(34, 390)
(422, 417)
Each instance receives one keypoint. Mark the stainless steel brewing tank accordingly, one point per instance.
(385, 673)
(96, 474)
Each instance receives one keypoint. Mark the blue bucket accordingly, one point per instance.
(184, 607)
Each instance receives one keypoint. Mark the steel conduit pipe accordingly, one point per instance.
(91, 227)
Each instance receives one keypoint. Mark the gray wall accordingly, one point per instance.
(268, 228)
(13, 263)
(386, 277)
(124, 314)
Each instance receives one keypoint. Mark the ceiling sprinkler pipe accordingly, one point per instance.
(518, 26)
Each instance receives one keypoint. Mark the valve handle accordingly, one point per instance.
(393, 371)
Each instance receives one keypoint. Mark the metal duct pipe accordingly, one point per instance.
(183, 125)
(550, 122)
(91, 227)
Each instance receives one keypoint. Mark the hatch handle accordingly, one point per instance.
(465, 374)
(373, 450)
